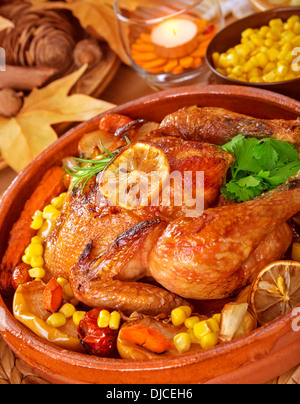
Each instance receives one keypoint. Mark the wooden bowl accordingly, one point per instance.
(256, 358)
(231, 36)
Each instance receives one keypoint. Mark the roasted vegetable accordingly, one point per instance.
(28, 309)
(50, 186)
(145, 338)
(52, 296)
(236, 321)
(20, 275)
(96, 341)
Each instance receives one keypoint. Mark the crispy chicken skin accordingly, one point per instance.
(88, 217)
(97, 282)
(219, 126)
(210, 257)
(105, 250)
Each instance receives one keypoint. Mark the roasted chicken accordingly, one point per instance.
(105, 250)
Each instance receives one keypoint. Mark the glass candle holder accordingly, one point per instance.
(166, 40)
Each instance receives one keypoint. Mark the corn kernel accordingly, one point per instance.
(103, 319)
(178, 316)
(217, 317)
(62, 281)
(216, 58)
(201, 329)
(191, 321)
(68, 292)
(261, 60)
(50, 213)
(194, 340)
(115, 320)
(35, 250)
(37, 273)
(37, 261)
(46, 229)
(26, 259)
(270, 77)
(187, 310)
(182, 342)
(56, 320)
(238, 71)
(282, 69)
(213, 325)
(296, 28)
(58, 202)
(37, 240)
(273, 54)
(210, 340)
(276, 23)
(37, 223)
(67, 310)
(78, 316)
(247, 33)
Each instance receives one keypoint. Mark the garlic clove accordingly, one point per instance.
(232, 317)
(249, 323)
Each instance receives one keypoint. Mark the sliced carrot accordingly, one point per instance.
(171, 65)
(51, 185)
(187, 62)
(146, 38)
(200, 52)
(52, 296)
(155, 63)
(144, 56)
(197, 62)
(112, 122)
(147, 337)
(178, 70)
(143, 47)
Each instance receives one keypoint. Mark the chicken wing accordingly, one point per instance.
(219, 126)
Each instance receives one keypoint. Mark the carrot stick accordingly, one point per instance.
(147, 337)
(20, 236)
(52, 296)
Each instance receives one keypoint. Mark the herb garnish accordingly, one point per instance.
(93, 168)
(260, 166)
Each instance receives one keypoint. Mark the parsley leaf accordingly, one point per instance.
(260, 166)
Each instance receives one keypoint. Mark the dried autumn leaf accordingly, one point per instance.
(25, 136)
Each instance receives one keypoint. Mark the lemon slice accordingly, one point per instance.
(275, 290)
(136, 176)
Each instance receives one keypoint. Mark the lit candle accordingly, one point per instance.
(175, 38)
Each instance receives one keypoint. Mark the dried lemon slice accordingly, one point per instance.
(136, 176)
(275, 290)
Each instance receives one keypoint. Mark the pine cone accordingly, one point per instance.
(43, 38)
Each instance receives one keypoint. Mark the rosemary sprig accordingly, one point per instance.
(94, 168)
